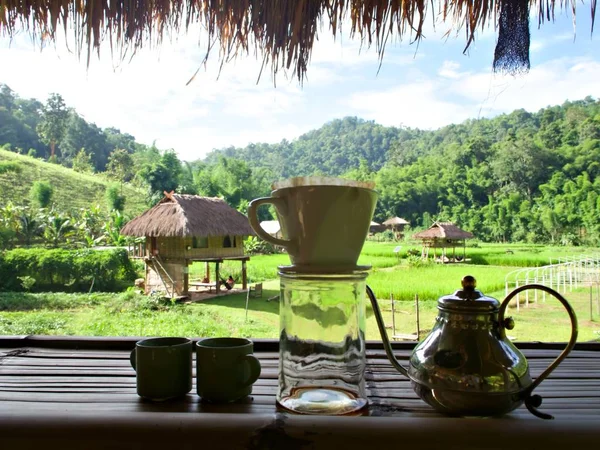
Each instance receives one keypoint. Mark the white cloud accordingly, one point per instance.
(418, 104)
(550, 83)
(449, 69)
(148, 96)
(431, 102)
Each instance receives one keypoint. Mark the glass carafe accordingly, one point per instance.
(322, 342)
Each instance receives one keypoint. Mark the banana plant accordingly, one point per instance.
(58, 229)
(30, 225)
(89, 227)
(112, 229)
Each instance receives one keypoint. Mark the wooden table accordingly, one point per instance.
(73, 393)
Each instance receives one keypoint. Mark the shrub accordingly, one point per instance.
(61, 270)
(114, 200)
(256, 246)
(41, 193)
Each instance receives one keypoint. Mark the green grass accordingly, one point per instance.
(131, 314)
(71, 189)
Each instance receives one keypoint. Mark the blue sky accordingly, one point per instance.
(425, 87)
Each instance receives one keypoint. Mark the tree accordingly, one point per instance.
(120, 166)
(54, 121)
(83, 162)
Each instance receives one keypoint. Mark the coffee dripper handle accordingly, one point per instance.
(532, 402)
(253, 218)
(384, 337)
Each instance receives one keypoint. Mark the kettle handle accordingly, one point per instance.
(532, 402)
(384, 337)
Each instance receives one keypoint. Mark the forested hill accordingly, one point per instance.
(341, 145)
(523, 176)
(333, 149)
(517, 177)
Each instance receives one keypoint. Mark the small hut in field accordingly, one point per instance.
(443, 236)
(272, 227)
(182, 229)
(396, 224)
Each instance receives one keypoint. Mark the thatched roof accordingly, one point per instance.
(443, 230)
(282, 31)
(395, 221)
(189, 215)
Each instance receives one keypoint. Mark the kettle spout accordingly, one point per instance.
(384, 337)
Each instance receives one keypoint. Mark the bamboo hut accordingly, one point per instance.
(443, 235)
(282, 32)
(182, 229)
(396, 224)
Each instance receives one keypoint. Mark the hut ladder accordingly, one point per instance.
(160, 270)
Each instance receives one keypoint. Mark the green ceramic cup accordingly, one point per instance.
(163, 367)
(225, 369)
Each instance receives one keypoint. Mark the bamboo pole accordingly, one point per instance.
(393, 315)
(418, 321)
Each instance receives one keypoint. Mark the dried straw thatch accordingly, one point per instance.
(443, 230)
(189, 215)
(395, 221)
(282, 31)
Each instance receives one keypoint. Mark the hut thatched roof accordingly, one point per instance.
(189, 215)
(396, 221)
(443, 230)
(283, 31)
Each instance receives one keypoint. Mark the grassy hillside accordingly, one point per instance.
(71, 189)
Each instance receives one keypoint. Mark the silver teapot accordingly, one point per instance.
(466, 365)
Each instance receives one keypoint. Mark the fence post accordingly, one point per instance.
(393, 315)
(418, 322)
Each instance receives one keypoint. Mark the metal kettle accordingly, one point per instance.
(466, 365)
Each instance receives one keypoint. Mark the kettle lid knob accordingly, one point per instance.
(468, 282)
(468, 299)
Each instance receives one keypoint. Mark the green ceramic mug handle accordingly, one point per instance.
(253, 218)
(132, 358)
(254, 365)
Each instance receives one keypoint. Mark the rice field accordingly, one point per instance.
(131, 314)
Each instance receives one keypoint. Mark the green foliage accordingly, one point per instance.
(112, 229)
(41, 194)
(66, 270)
(120, 165)
(10, 166)
(256, 246)
(53, 123)
(82, 162)
(114, 200)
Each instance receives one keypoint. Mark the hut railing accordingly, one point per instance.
(160, 270)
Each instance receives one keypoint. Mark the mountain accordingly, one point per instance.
(333, 149)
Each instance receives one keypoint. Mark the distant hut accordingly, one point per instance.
(182, 229)
(444, 235)
(272, 227)
(375, 227)
(396, 224)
